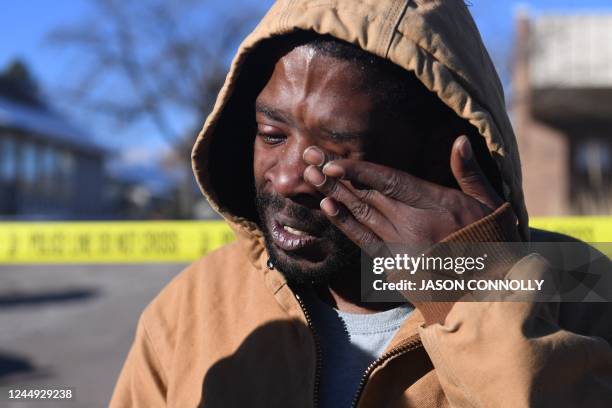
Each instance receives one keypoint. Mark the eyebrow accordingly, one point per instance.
(343, 136)
(281, 117)
(272, 113)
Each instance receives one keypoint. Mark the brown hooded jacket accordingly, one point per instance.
(229, 332)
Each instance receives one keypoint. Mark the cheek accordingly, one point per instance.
(263, 160)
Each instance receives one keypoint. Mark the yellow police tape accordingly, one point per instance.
(587, 229)
(110, 242)
(176, 241)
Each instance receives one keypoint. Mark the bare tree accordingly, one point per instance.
(156, 60)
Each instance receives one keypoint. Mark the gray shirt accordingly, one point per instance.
(349, 343)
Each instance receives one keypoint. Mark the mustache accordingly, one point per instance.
(273, 203)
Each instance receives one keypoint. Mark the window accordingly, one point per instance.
(66, 171)
(8, 161)
(29, 165)
(591, 185)
(594, 160)
(49, 169)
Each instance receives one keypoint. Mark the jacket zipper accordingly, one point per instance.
(410, 344)
(318, 357)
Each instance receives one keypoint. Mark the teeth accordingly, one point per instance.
(293, 230)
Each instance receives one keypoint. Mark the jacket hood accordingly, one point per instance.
(437, 40)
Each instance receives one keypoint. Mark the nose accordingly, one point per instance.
(287, 175)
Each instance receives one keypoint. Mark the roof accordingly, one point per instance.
(45, 124)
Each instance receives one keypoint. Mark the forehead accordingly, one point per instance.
(317, 68)
(308, 84)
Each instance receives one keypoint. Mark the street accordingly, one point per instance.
(71, 326)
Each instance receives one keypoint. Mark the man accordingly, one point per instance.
(344, 126)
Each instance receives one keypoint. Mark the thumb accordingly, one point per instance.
(469, 175)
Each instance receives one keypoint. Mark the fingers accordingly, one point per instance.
(389, 182)
(469, 175)
(314, 156)
(362, 236)
(361, 211)
(347, 209)
(376, 184)
(317, 157)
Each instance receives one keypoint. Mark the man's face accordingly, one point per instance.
(312, 99)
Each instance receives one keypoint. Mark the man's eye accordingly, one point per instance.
(271, 138)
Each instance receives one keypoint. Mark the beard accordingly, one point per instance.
(338, 255)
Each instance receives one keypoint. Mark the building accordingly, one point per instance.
(562, 112)
(48, 168)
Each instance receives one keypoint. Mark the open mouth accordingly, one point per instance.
(294, 231)
(290, 237)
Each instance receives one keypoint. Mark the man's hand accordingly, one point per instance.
(374, 204)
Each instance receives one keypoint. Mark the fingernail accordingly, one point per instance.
(313, 175)
(465, 149)
(329, 206)
(313, 155)
(333, 170)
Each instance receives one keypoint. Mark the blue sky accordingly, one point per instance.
(24, 23)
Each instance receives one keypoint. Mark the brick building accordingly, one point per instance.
(562, 112)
